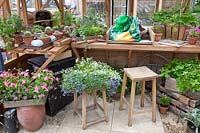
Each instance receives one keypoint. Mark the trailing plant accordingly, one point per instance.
(165, 101)
(88, 75)
(187, 74)
(193, 32)
(194, 118)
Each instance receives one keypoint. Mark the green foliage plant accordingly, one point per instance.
(88, 75)
(37, 28)
(164, 101)
(186, 73)
(194, 117)
(17, 23)
(56, 18)
(43, 35)
(68, 18)
(158, 28)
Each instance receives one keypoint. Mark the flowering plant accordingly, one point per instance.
(88, 75)
(193, 32)
(16, 85)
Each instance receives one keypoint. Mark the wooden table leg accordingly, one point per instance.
(123, 91)
(75, 51)
(84, 98)
(154, 100)
(95, 98)
(45, 63)
(75, 102)
(130, 112)
(142, 94)
(105, 105)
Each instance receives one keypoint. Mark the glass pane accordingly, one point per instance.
(144, 11)
(170, 3)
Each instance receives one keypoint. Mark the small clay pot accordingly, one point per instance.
(158, 37)
(49, 32)
(58, 35)
(163, 110)
(31, 117)
(45, 40)
(193, 40)
(28, 40)
(18, 38)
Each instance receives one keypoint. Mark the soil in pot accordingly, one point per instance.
(49, 32)
(193, 40)
(163, 109)
(32, 117)
(158, 37)
(28, 40)
(45, 40)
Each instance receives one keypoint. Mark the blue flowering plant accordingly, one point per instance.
(16, 85)
(88, 75)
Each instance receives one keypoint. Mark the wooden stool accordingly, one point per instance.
(138, 74)
(84, 108)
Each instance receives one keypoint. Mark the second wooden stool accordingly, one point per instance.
(84, 108)
(138, 74)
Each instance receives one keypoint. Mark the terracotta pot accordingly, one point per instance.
(28, 40)
(58, 36)
(158, 37)
(49, 32)
(45, 40)
(31, 117)
(18, 38)
(163, 110)
(193, 40)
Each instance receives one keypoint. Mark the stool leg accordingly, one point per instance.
(84, 97)
(75, 102)
(105, 105)
(142, 94)
(95, 98)
(123, 91)
(130, 113)
(154, 100)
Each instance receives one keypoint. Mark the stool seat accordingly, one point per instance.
(140, 73)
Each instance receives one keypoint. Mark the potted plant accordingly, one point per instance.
(193, 118)
(89, 75)
(28, 38)
(194, 34)
(56, 18)
(6, 32)
(37, 30)
(58, 34)
(158, 30)
(27, 92)
(17, 23)
(48, 30)
(164, 103)
(44, 37)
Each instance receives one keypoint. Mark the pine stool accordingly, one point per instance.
(84, 108)
(138, 74)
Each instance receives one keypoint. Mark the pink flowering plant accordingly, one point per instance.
(193, 32)
(16, 85)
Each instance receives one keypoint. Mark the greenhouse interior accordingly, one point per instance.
(100, 66)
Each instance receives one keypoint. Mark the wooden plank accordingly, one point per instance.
(130, 11)
(62, 10)
(107, 4)
(157, 47)
(58, 5)
(84, 7)
(61, 42)
(1, 2)
(129, 58)
(18, 7)
(135, 7)
(75, 50)
(57, 50)
(25, 15)
(175, 32)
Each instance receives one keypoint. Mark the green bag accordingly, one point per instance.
(126, 29)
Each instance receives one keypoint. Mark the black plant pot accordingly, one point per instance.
(191, 127)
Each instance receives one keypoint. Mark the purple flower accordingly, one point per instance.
(15, 98)
(46, 78)
(36, 89)
(23, 81)
(25, 97)
(6, 83)
(26, 90)
(187, 31)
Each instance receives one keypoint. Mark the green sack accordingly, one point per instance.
(126, 29)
